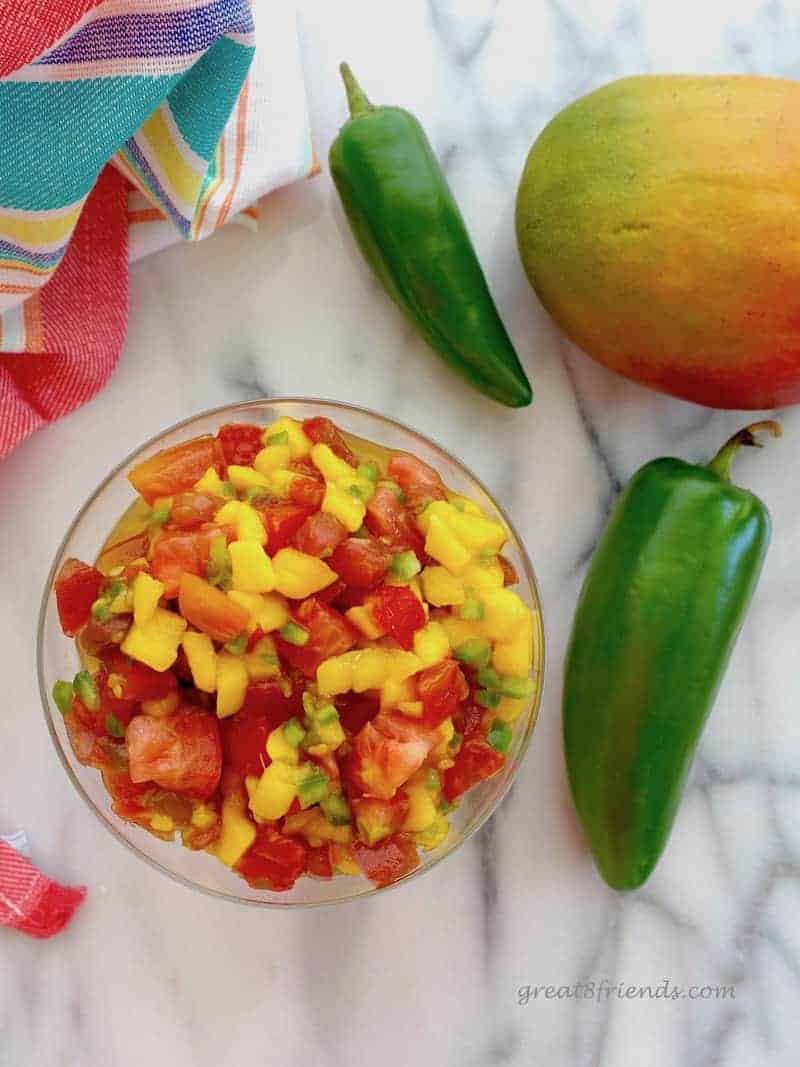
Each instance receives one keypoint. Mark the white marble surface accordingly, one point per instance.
(151, 973)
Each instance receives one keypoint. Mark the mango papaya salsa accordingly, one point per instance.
(298, 652)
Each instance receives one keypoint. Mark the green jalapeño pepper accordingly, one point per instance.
(659, 613)
(411, 232)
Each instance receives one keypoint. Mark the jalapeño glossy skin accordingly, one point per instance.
(411, 232)
(659, 613)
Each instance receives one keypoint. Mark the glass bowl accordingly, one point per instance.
(58, 658)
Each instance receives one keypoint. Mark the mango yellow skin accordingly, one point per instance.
(657, 219)
(660, 610)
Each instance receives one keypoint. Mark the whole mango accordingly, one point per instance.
(658, 220)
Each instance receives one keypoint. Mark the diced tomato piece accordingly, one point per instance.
(190, 510)
(209, 609)
(86, 732)
(322, 431)
(475, 761)
(319, 862)
(176, 469)
(387, 518)
(282, 521)
(308, 491)
(138, 681)
(510, 576)
(77, 586)
(330, 634)
(467, 718)
(306, 466)
(344, 596)
(129, 799)
(254, 638)
(385, 753)
(418, 481)
(379, 818)
(361, 561)
(273, 858)
(98, 635)
(398, 612)
(320, 534)
(241, 442)
(198, 838)
(357, 709)
(441, 688)
(244, 735)
(181, 752)
(123, 553)
(174, 554)
(387, 861)
(177, 552)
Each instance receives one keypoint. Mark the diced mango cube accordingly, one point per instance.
(156, 642)
(441, 543)
(262, 662)
(228, 514)
(280, 481)
(146, 594)
(431, 644)
(232, 682)
(483, 575)
(365, 668)
(509, 710)
(363, 619)
(315, 828)
(503, 614)
(349, 510)
(394, 693)
(278, 748)
(162, 824)
(298, 575)
(274, 612)
(402, 665)
(476, 532)
(370, 669)
(421, 810)
(342, 860)
(276, 789)
(433, 835)
(514, 656)
(335, 675)
(249, 526)
(245, 518)
(299, 444)
(463, 503)
(330, 466)
(202, 659)
(237, 833)
(160, 707)
(460, 630)
(243, 478)
(210, 483)
(203, 816)
(251, 568)
(271, 458)
(442, 588)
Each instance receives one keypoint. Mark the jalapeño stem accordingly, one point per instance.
(721, 463)
(356, 97)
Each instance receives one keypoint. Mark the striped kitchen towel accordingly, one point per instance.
(29, 901)
(125, 125)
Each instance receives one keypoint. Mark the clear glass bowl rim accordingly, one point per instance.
(232, 409)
